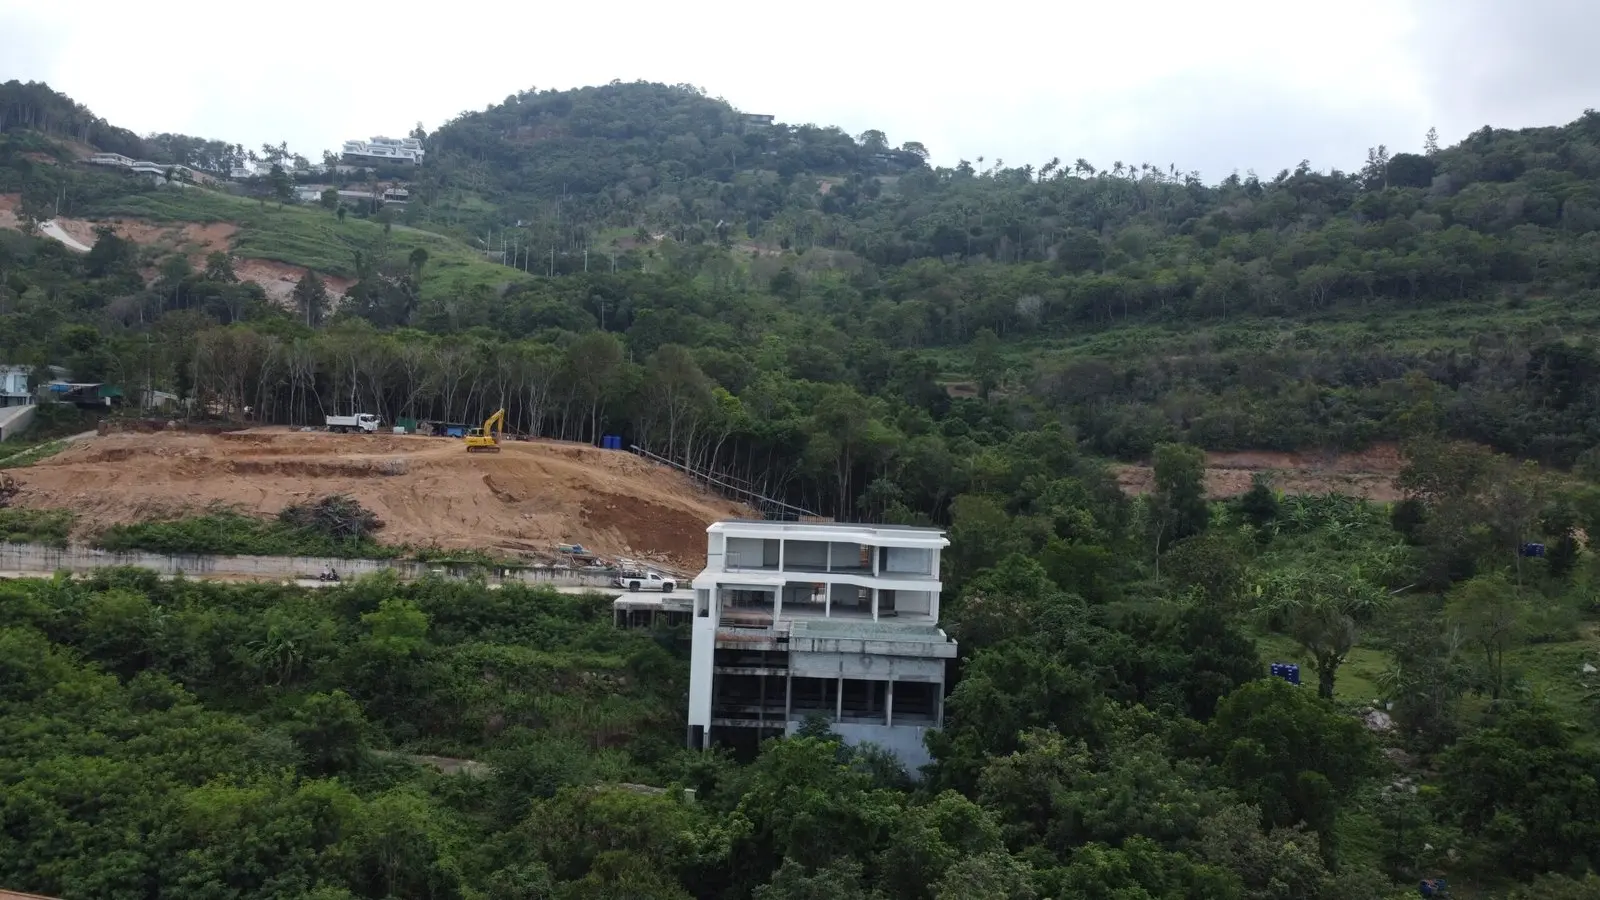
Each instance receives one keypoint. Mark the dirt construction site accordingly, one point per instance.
(524, 500)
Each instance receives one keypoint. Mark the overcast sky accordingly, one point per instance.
(1213, 85)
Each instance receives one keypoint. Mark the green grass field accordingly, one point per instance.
(1357, 681)
(315, 238)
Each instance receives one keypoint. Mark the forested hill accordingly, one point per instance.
(642, 155)
(1142, 302)
(791, 278)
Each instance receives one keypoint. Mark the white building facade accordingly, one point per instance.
(383, 150)
(795, 620)
(14, 386)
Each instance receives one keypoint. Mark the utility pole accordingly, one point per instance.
(552, 272)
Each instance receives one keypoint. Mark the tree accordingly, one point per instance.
(33, 207)
(282, 186)
(1178, 504)
(681, 392)
(990, 876)
(873, 141)
(1291, 754)
(1430, 142)
(110, 254)
(915, 147)
(311, 298)
(329, 198)
(1526, 789)
(986, 361)
(1259, 505)
(1490, 613)
(594, 362)
(219, 268)
(1323, 609)
(331, 732)
(839, 881)
(175, 274)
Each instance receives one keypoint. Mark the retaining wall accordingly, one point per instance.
(14, 420)
(45, 560)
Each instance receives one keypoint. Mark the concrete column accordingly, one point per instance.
(838, 702)
(874, 603)
(827, 600)
(782, 544)
(938, 718)
(888, 703)
(777, 603)
(788, 696)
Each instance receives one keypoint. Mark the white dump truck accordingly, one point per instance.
(645, 581)
(359, 422)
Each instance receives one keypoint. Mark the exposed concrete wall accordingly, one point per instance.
(42, 559)
(944, 649)
(904, 741)
(867, 668)
(14, 420)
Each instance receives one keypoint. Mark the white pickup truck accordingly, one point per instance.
(645, 581)
(359, 422)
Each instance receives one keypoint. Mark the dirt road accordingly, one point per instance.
(1368, 474)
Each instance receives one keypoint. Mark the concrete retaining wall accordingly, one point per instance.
(45, 560)
(14, 420)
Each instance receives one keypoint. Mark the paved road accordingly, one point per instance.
(51, 229)
(298, 582)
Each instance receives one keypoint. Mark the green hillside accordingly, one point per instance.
(846, 329)
(315, 238)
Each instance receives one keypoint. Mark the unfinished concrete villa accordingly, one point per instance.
(840, 621)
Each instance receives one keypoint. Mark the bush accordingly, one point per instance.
(337, 516)
(230, 532)
(35, 526)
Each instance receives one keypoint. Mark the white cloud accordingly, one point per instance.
(1232, 84)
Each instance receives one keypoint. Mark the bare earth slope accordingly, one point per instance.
(428, 491)
(1368, 474)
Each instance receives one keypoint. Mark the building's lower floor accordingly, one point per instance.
(757, 694)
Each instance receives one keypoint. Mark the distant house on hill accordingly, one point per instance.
(383, 150)
(14, 386)
(758, 118)
(154, 171)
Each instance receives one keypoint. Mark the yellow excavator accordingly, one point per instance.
(484, 439)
